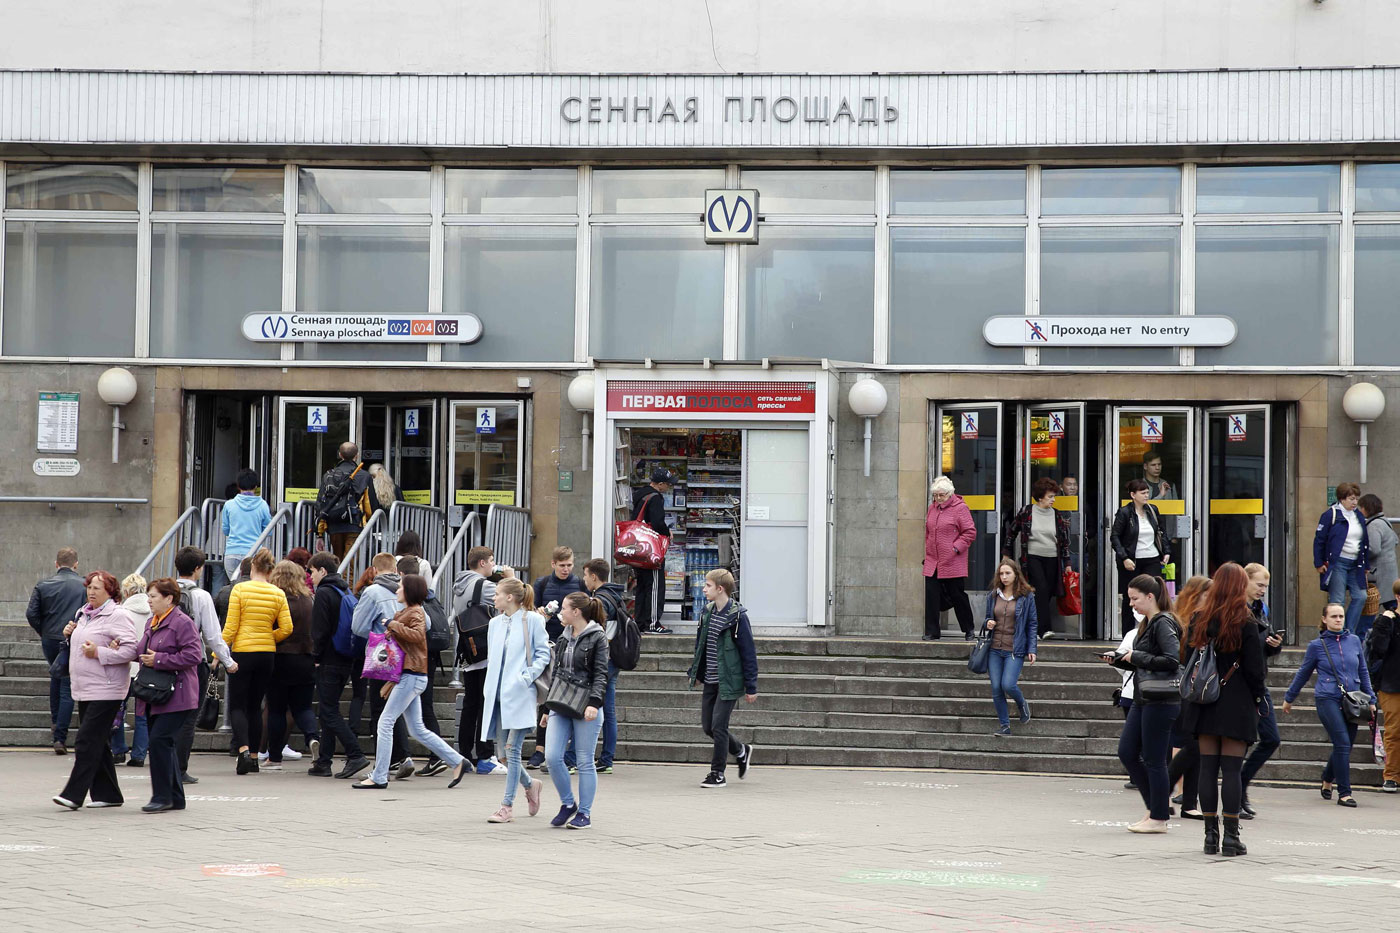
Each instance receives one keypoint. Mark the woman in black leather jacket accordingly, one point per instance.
(1139, 546)
(580, 656)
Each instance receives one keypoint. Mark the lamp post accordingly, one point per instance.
(1363, 403)
(581, 397)
(117, 387)
(868, 399)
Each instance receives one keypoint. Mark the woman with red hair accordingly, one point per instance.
(102, 645)
(1228, 726)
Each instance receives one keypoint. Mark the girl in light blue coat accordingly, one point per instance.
(517, 653)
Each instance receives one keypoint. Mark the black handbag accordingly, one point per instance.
(981, 657)
(59, 667)
(208, 718)
(154, 686)
(1154, 686)
(568, 694)
(1356, 705)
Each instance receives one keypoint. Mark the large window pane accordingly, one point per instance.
(1378, 187)
(1142, 190)
(1279, 283)
(512, 191)
(1267, 189)
(362, 191)
(204, 279)
(362, 270)
(1110, 271)
(657, 292)
(218, 188)
(808, 291)
(958, 191)
(1377, 294)
(945, 282)
(813, 191)
(654, 190)
(520, 282)
(70, 187)
(70, 289)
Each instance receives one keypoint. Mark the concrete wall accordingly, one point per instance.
(692, 36)
(867, 508)
(105, 537)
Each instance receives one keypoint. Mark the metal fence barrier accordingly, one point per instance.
(303, 529)
(212, 539)
(430, 523)
(455, 560)
(361, 552)
(160, 562)
(274, 537)
(508, 533)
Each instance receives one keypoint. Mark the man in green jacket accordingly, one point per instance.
(727, 664)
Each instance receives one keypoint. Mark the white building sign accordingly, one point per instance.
(731, 216)
(362, 328)
(1109, 331)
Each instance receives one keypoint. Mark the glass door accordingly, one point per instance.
(311, 429)
(411, 431)
(1052, 447)
(485, 464)
(966, 442)
(1237, 485)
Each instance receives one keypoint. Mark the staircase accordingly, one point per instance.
(842, 702)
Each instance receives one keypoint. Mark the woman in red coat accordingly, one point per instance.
(948, 533)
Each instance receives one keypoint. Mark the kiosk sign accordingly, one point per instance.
(712, 399)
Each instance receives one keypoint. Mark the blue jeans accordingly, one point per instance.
(1343, 735)
(584, 734)
(1267, 745)
(1004, 670)
(511, 741)
(609, 719)
(1348, 578)
(404, 701)
(60, 694)
(140, 736)
(1143, 749)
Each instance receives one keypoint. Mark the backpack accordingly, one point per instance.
(344, 640)
(1200, 679)
(336, 503)
(439, 632)
(625, 647)
(472, 624)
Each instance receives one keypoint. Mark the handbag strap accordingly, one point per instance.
(1342, 684)
(643, 506)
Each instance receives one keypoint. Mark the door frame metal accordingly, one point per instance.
(282, 400)
(1205, 497)
(450, 489)
(937, 409)
(1024, 410)
(432, 433)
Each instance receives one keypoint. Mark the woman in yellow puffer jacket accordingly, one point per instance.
(258, 618)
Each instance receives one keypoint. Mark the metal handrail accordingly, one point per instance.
(455, 560)
(183, 526)
(273, 537)
(212, 539)
(52, 501)
(303, 531)
(509, 530)
(430, 523)
(359, 555)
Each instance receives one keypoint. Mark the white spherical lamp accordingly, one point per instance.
(868, 399)
(116, 387)
(581, 397)
(1363, 403)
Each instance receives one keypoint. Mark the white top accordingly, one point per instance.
(1352, 546)
(1125, 646)
(1042, 539)
(1146, 540)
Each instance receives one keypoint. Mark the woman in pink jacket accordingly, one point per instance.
(102, 646)
(948, 533)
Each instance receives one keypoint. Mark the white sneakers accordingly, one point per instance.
(288, 754)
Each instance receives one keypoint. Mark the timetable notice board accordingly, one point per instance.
(58, 422)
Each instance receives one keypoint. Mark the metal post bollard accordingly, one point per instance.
(226, 726)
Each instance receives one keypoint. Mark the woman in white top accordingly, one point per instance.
(1138, 543)
(138, 608)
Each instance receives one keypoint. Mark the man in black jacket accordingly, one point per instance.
(52, 605)
(339, 501)
(1383, 656)
(333, 670)
(649, 505)
(1272, 643)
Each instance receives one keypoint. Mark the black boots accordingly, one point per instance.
(1231, 844)
(1212, 846)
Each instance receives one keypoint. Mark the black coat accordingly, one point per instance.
(1124, 534)
(1383, 652)
(55, 602)
(1158, 648)
(1235, 715)
(590, 660)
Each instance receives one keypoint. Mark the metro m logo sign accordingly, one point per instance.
(731, 216)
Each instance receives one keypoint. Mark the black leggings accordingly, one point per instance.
(246, 690)
(1043, 573)
(1186, 768)
(939, 592)
(1222, 759)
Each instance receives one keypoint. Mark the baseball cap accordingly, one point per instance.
(662, 475)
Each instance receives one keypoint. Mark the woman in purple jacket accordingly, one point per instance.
(171, 642)
(101, 649)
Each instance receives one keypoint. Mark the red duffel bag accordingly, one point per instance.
(637, 544)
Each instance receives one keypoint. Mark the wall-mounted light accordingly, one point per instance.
(117, 387)
(581, 397)
(1363, 403)
(868, 399)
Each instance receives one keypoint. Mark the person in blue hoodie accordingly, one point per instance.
(1335, 654)
(1011, 618)
(1342, 553)
(244, 518)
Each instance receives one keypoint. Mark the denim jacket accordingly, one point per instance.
(1341, 655)
(1027, 624)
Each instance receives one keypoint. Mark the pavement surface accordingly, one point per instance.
(786, 849)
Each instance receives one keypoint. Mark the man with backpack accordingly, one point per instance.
(199, 606)
(624, 647)
(342, 504)
(333, 648)
(473, 605)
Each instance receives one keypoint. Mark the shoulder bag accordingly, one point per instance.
(1159, 686)
(155, 687)
(1200, 679)
(1356, 705)
(637, 544)
(546, 678)
(208, 718)
(568, 693)
(980, 658)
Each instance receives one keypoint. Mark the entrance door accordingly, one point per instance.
(486, 466)
(403, 437)
(966, 441)
(1154, 444)
(310, 431)
(1053, 448)
(1237, 485)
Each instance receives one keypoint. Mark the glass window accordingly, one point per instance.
(70, 187)
(654, 190)
(218, 188)
(812, 191)
(658, 292)
(1378, 187)
(362, 270)
(945, 282)
(520, 282)
(70, 289)
(1140, 190)
(512, 191)
(958, 191)
(1109, 271)
(362, 191)
(1279, 283)
(204, 279)
(809, 292)
(1377, 294)
(1267, 189)
(485, 467)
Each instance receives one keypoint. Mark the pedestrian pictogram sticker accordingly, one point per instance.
(1237, 424)
(1152, 428)
(410, 422)
(486, 421)
(1057, 424)
(316, 419)
(968, 425)
(243, 870)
